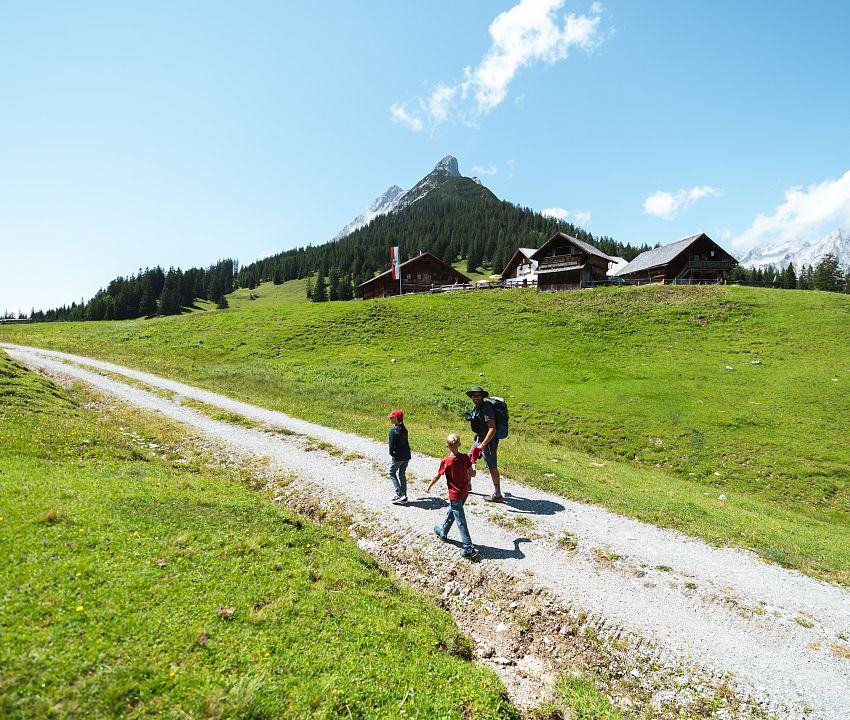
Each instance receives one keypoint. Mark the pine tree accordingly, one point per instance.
(319, 293)
(827, 275)
(169, 300)
(222, 303)
(147, 305)
(309, 289)
(277, 278)
(790, 279)
(346, 292)
(333, 284)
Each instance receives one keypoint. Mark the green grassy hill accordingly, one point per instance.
(650, 401)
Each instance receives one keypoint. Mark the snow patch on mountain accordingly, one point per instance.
(782, 252)
(382, 205)
(444, 170)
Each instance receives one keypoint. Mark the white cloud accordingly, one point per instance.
(530, 32)
(484, 170)
(557, 213)
(399, 115)
(807, 214)
(579, 216)
(667, 205)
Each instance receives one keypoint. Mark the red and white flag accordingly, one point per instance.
(395, 262)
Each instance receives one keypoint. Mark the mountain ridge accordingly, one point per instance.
(780, 253)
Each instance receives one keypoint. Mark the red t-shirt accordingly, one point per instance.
(456, 470)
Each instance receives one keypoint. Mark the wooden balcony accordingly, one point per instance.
(557, 262)
(711, 264)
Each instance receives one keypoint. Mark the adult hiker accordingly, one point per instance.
(482, 420)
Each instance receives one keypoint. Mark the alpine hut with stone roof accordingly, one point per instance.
(696, 259)
(419, 274)
(567, 263)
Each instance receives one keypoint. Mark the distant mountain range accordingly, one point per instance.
(395, 198)
(779, 254)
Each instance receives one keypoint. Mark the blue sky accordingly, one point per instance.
(141, 133)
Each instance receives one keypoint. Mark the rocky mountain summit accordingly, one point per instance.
(395, 198)
(782, 252)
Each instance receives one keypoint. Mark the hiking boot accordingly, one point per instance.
(438, 531)
(495, 498)
(470, 554)
(400, 500)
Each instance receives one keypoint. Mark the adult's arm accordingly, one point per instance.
(491, 431)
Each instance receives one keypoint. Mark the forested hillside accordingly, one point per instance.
(152, 291)
(460, 220)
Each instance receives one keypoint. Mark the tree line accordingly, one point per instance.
(827, 274)
(150, 292)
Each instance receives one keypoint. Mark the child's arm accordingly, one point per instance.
(433, 481)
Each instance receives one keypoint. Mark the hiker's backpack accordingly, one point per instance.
(500, 408)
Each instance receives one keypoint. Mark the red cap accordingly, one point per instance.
(396, 414)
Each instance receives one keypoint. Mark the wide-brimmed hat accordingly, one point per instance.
(396, 414)
(475, 390)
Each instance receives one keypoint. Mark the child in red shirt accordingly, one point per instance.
(458, 469)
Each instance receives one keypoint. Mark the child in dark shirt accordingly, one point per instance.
(399, 457)
(458, 469)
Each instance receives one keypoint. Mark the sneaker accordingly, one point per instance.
(438, 531)
(400, 500)
(495, 498)
(470, 554)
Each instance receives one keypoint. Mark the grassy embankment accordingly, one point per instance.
(140, 582)
(620, 397)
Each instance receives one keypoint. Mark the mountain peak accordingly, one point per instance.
(447, 166)
(782, 252)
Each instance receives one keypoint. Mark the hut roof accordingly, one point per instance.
(587, 247)
(660, 255)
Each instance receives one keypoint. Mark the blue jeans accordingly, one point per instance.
(457, 515)
(398, 468)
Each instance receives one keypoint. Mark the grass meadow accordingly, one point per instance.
(140, 581)
(650, 401)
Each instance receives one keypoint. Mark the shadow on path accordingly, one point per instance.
(428, 503)
(517, 504)
(488, 552)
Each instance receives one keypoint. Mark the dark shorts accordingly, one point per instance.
(490, 452)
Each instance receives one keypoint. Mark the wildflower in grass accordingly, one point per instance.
(172, 673)
(80, 608)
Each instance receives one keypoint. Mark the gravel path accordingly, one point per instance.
(782, 636)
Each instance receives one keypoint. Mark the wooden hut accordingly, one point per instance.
(695, 259)
(567, 263)
(521, 269)
(419, 274)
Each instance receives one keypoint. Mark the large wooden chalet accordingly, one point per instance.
(695, 259)
(567, 263)
(419, 274)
